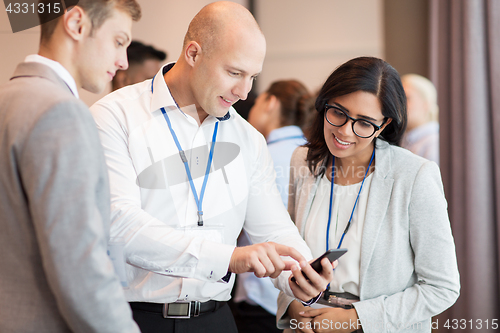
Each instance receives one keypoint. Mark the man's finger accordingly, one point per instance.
(277, 262)
(268, 264)
(284, 250)
(258, 269)
(289, 264)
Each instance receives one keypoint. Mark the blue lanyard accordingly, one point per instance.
(286, 138)
(331, 201)
(199, 201)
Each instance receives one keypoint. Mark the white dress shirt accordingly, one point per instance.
(153, 208)
(56, 67)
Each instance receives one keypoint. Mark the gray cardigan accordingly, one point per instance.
(408, 270)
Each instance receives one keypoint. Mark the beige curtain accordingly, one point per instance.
(465, 66)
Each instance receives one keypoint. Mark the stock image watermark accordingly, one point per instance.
(28, 14)
(450, 324)
(466, 324)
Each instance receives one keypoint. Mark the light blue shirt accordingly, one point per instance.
(281, 143)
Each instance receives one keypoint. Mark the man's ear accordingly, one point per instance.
(273, 103)
(76, 23)
(192, 52)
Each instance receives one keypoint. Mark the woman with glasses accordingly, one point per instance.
(352, 187)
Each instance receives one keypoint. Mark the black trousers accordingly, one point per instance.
(212, 322)
(253, 319)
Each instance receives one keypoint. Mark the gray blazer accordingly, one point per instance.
(55, 274)
(408, 270)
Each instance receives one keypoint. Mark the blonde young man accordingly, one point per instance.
(55, 274)
(187, 174)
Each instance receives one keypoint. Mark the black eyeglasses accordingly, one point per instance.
(337, 117)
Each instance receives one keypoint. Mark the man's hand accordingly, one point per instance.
(263, 259)
(306, 289)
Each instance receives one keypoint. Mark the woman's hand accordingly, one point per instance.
(331, 319)
(307, 288)
(298, 322)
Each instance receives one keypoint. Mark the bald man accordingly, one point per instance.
(187, 173)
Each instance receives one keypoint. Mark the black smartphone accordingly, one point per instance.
(332, 255)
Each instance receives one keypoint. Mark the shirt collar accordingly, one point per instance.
(161, 96)
(56, 67)
(284, 132)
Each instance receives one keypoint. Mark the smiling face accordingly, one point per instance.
(225, 75)
(341, 141)
(103, 52)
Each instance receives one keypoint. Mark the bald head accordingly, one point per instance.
(223, 53)
(216, 21)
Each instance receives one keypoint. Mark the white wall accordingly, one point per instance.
(163, 24)
(306, 39)
(14, 47)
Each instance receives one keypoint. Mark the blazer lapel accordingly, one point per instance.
(378, 201)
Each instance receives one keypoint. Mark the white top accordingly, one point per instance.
(56, 67)
(346, 275)
(154, 210)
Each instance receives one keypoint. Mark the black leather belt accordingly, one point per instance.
(178, 310)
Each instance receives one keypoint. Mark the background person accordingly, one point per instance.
(55, 274)
(422, 133)
(144, 61)
(187, 173)
(352, 187)
(278, 114)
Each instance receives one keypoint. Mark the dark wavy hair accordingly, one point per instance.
(367, 74)
(296, 101)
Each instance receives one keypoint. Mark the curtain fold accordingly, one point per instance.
(465, 66)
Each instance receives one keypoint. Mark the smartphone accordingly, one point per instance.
(332, 255)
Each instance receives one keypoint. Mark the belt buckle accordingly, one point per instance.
(181, 310)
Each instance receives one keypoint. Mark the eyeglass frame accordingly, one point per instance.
(353, 121)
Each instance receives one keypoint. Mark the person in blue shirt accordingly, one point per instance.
(278, 113)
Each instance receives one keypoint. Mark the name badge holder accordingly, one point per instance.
(213, 233)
